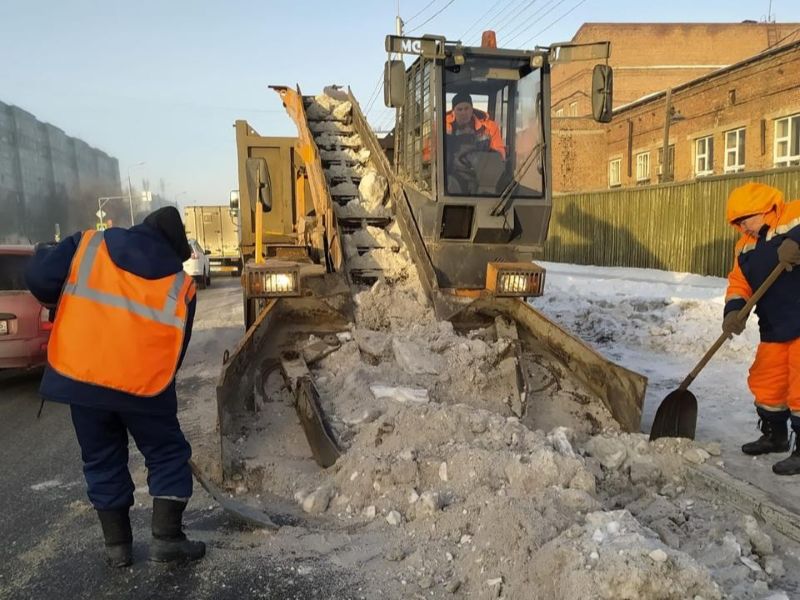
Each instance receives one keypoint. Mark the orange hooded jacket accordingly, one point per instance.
(756, 257)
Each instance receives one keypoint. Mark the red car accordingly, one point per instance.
(24, 324)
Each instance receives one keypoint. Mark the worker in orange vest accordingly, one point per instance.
(123, 320)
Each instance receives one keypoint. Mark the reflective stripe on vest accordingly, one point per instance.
(81, 289)
(115, 329)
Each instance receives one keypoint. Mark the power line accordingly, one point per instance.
(503, 10)
(571, 10)
(432, 17)
(539, 16)
(521, 27)
(515, 16)
(463, 36)
(418, 13)
(373, 96)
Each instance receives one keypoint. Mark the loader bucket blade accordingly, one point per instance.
(676, 417)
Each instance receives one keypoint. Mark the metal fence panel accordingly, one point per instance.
(674, 227)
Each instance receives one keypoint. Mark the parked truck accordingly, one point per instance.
(216, 228)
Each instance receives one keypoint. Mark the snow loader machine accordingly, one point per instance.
(471, 218)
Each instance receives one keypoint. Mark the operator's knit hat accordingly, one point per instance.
(462, 97)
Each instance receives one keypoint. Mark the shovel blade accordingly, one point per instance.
(676, 416)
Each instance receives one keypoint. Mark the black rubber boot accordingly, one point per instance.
(790, 465)
(117, 533)
(775, 433)
(169, 542)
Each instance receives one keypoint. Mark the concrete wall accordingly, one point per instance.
(48, 177)
(753, 96)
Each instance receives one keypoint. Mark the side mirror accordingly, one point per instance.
(394, 83)
(234, 200)
(259, 186)
(602, 93)
(207, 252)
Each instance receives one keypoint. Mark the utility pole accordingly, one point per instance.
(665, 174)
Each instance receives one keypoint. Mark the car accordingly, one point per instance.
(24, 323)
(198, 265)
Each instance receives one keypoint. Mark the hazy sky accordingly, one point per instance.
(163, 81)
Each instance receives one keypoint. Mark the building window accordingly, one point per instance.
(573, 109)
(615, 172)
(734, 150)
(560, 112)
(704, 156)
(643, 167)
(787, 141)
(669, 175)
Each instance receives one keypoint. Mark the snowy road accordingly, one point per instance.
(659, 324)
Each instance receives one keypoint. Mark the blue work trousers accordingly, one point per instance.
(103, 438)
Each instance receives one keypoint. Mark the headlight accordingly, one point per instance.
(267, 280)
(515, 279)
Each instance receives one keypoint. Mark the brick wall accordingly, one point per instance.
(650, 57)
(752, 96)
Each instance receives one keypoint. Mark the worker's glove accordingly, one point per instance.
(732, 325)
(789, 253)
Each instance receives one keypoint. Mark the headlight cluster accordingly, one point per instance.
(268, 281)
(515, 279)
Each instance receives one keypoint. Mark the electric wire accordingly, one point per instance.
(419, 12)
(432, 17)
(526, 24)
(571, 10)
(480, 19)
(504, 13)
(514, 17)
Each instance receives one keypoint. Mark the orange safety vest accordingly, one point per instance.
(115, 329)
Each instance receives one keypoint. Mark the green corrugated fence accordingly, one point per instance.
(674, 227)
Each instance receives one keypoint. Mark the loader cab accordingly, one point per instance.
(472, 150)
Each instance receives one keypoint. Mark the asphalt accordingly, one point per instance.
(50, 541)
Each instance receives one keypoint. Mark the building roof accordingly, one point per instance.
(790, 47)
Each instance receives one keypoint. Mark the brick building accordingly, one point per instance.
(745, 116)
(650, 57)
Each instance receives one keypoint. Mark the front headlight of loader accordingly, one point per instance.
(272, 279)
(515, 279)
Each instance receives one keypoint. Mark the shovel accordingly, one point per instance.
(677, 414)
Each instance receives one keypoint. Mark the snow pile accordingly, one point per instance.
(673, 313)
(612, 556)
(325, 108)
(474, 501)
(345, 154)
(372, 190)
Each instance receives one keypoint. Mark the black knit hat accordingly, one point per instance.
(167, 221)
(462, 97)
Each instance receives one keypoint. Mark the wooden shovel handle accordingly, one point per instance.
(741, 316)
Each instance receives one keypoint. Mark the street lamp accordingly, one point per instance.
(130, 193)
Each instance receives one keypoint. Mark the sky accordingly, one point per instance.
(162, 81)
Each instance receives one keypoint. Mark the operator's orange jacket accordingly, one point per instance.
(115, 329)
(485, 129)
